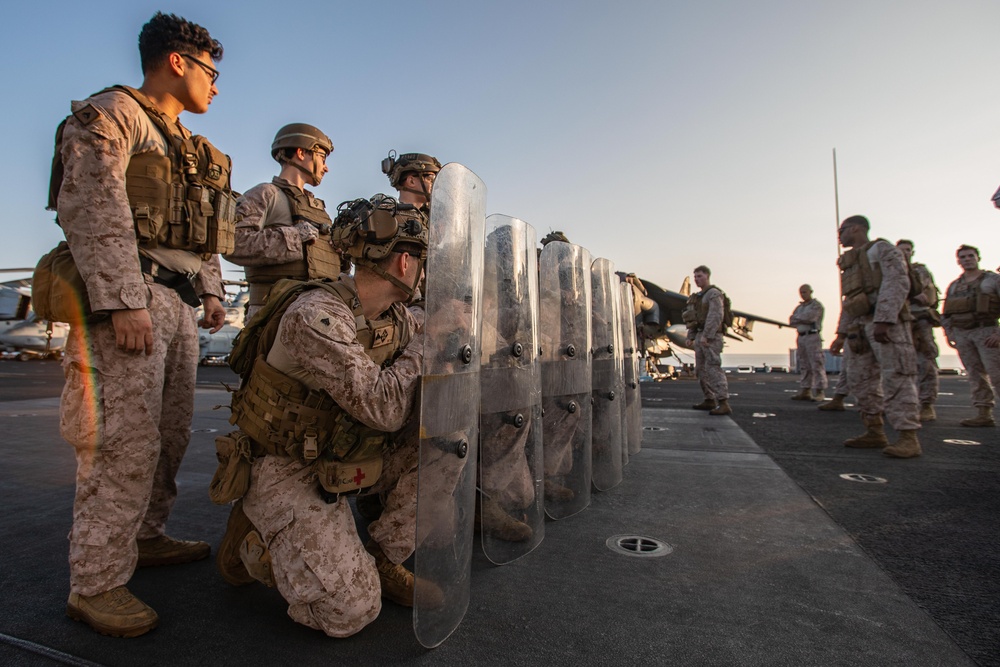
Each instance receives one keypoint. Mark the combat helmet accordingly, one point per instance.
(300, 135)
(395, 167)
(367, 230)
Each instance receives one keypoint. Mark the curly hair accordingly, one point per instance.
(169, 33)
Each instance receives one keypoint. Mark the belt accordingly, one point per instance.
(811, 331)
(330, 498)
(172, 279)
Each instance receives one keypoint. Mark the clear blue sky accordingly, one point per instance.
(658, 134)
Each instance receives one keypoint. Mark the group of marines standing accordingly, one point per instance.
(886, 332)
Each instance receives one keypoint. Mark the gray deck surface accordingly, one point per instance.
(761, 572)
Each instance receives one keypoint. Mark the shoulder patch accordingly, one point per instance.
(322, 323)
(87, 114)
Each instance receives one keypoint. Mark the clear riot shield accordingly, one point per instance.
(633, 405)
(564, 295)
(449, 406)
(621, 368)
(606, 382)
(510, 441)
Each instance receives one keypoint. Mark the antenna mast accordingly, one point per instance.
(836, 199)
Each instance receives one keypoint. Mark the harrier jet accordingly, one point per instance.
(659, 322)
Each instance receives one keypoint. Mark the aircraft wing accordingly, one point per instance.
(663, 325)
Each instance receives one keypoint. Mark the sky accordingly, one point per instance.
(658, 134)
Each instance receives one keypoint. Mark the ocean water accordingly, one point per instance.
(758, 360)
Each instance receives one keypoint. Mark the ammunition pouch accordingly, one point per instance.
(282, 415)
(690, 318)
(196, 212)
(857, 340)
(231, 480)
(858, 305)
(978, 309)
(285, 418)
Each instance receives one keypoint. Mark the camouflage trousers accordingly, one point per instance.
(508, 460)
(927, 366)
(128, 416)
(982, 363)
(842, 387)
(708, 368)
(812, 361)
(883, 376)
(319, 564)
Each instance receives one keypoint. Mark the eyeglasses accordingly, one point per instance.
(212, 73)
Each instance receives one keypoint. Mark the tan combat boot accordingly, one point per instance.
(495, 522)
(835, 404)
(722, 409)
(927, 413)
(818, 396)
(557, 493)
(164, 550)
(873, 437)
(707, 404)
(906, 447)
(984, 418)
(116, 613)
(228, 560)
(805, 394)
(399, 584)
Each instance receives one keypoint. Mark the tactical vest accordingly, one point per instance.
(696, 311)
(970, 307)
(319, 259)
(181, 200)
(284, 417)
(859, 280)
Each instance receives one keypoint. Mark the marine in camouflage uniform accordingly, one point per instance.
(333, 342)
(923, 299)
(412, 175)
(972, 305)
(130, 378)
(282, 229)
(875, 326)
(807, 318)
(703, 317)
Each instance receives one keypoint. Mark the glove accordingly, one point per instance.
(307, 233)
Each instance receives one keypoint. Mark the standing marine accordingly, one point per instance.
(145, 207)
(282, 229)
(332, 383)
(971, 309)
(875, 327)
(807, 318)
(706, 316)
(923, 300)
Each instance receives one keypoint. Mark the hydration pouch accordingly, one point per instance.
(58, 291)
(231, 480)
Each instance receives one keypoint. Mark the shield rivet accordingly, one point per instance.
(517, 349)
(466, 354)
(571, 408)
(571, 350)
(462, 449)
(611, 395)
(611, 348)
